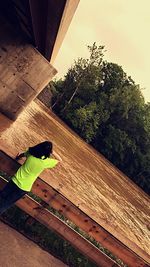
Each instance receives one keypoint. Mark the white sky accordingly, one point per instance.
(122, 26)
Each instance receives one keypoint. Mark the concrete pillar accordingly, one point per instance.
(24, 72)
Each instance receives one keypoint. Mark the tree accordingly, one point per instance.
(106, 108)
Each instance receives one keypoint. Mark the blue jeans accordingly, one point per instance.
(9, 195)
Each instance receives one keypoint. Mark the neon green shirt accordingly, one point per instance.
(30, 170)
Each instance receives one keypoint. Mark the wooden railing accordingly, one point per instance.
(44, 216)
(74, 214)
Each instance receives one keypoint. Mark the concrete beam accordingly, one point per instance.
(68, 13)
(24, 72)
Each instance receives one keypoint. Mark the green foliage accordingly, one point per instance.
(106, 108)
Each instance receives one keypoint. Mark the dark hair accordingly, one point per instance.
(42, 150)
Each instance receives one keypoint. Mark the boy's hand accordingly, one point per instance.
(19, 156)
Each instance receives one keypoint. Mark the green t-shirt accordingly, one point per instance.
(30, 170)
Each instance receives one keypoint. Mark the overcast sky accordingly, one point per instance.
(122, 26)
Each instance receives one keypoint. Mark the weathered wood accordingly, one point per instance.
(48, 219)
(64, 206)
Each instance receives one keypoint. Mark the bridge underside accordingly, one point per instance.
(37, 20)
(31, 33)
(24, 72)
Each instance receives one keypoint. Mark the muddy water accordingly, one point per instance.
(85, 177)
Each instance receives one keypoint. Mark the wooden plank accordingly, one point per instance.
(60, 203)
(48, 219)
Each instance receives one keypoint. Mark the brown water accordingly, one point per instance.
(85, 177)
